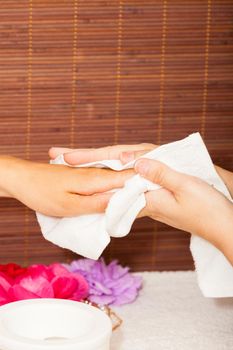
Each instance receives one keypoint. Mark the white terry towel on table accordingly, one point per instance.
(88, 235)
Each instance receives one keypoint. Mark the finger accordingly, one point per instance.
(92, 155)
(54, 152)
(127, 157)
(77, 157)
(99, 180)
(130, 148)
(83, 205)
(159, 173)
(160, 204)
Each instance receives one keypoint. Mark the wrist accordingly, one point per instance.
(225, 235)
(227, 178)
(220, 230)
(7, 175)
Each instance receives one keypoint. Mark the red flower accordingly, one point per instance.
(41, 281)
(12, 270)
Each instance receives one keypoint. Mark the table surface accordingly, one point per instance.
(172, 314)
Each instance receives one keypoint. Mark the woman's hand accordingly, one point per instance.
(125, 153)
(189, 204)
(58, 190)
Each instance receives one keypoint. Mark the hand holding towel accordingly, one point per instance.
(88, 235)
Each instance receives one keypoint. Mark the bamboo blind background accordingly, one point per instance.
(87, 73)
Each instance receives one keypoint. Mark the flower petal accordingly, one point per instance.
(110, 284)
(17, 292)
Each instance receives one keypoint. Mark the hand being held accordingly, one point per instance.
(58, 190)
(189, 204)
(125, 153)
(185, 202)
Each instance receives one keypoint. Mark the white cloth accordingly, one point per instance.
(88, 235)
(171, 314)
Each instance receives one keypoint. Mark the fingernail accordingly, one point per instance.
(127, 156)
(142, 167)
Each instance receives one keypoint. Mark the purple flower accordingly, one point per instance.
(108, 284)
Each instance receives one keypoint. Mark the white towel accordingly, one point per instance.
(88, 235)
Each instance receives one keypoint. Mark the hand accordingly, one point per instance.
(188, 203)
(125, 153)
(58, 190)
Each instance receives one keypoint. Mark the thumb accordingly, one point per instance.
(159, 173)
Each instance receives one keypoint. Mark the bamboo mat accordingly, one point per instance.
(88, 73)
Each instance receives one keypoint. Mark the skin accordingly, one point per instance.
(125, 153)
(185, 202)
(58, 190)
(188, 203)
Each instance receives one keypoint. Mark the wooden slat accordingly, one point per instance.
(88, 73)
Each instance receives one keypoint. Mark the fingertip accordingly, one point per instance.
(57, 151)
(52, 152)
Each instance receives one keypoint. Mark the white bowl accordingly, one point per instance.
(49, 324)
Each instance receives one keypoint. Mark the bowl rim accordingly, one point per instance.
(9, 339)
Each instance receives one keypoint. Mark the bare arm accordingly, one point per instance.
(227, 177)
(58, 190)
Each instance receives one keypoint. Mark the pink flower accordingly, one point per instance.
(41, 281)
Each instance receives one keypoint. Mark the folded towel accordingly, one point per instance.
(88, 235)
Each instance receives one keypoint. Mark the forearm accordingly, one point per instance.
(227, 178)
(4, 176)
(226, 240)
(220, 230)
(8, 176)
(226, 244)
